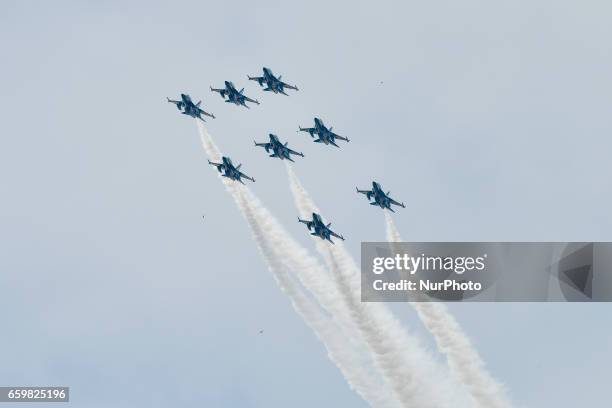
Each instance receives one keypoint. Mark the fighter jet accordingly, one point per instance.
(380, 198)
(325, 135)
(234, 96)
(273, 83)
(227, 168)
(319, 229)
(187, 107)
(278, 149)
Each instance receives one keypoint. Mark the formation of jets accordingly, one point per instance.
(277, 149)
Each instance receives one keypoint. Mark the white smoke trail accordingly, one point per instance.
(341, 350)
(404, 363)
(463, 359)
(283, 255)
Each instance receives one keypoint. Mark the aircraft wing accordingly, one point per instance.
(245, 176)
(258, 79)
(210, 115)
(264, 144)
(173, 101)
(294, 152)
(333, 234)
(309, 130)
(215, 164)
(295, 88)
(339, 137)
(308, 223)
(246, 98)
(396, 203)
(221, 91)
(366, 192)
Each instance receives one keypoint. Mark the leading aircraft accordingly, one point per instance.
(233, 95)
(187, 107)
(279, 149)
(381, 198)
(325, 135)
(227, 168)
(273, 83)
(319, 229)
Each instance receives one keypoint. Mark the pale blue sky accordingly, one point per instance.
(492, 122)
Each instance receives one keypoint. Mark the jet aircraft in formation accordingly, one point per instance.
(272, 83)
(325, 135)
(278, 149)
(381, 198)
(233, 95)
(187, 107)
(227, 169)
(319, 229)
